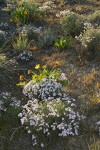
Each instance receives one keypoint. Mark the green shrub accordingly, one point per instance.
(46, 38)
(95, 17)
(73, 24)
(32, 32)
(26, 13)
(90, 40)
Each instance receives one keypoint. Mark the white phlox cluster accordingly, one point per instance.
(6, 98)
(85, 40)
(51, 116)
(47, 89)
(25, 56)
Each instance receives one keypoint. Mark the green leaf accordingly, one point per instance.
(57, 45)
(21, 84)
(64, 82)
(61, 42)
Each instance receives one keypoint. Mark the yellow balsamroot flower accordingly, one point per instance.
(29, 71)
(44, 67)
(34, 76)
(37, 66)
(57, 63)
(25, 12)
(21, 77)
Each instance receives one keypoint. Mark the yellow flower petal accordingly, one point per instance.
(44, 67)
(21, 77)
(37, 66)
(29, 71)
(57, 63)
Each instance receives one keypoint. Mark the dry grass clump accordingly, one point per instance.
(90, 77)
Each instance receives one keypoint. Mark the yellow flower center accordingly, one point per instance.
(35, 76)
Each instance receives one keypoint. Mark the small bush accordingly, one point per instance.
(90, 40)
(50, 112)
(95, 17)
(20, 44)
(7, 101)
(46, 38)
(44, 85)
(30, 31)
(26, 13)
(73, 24)
(10, 107)
(20, 48)
(52, 119)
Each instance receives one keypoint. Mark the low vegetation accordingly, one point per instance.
(49, 75)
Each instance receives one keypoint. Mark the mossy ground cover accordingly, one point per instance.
(82, 73)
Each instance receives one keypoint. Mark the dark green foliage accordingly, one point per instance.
(73, 24)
